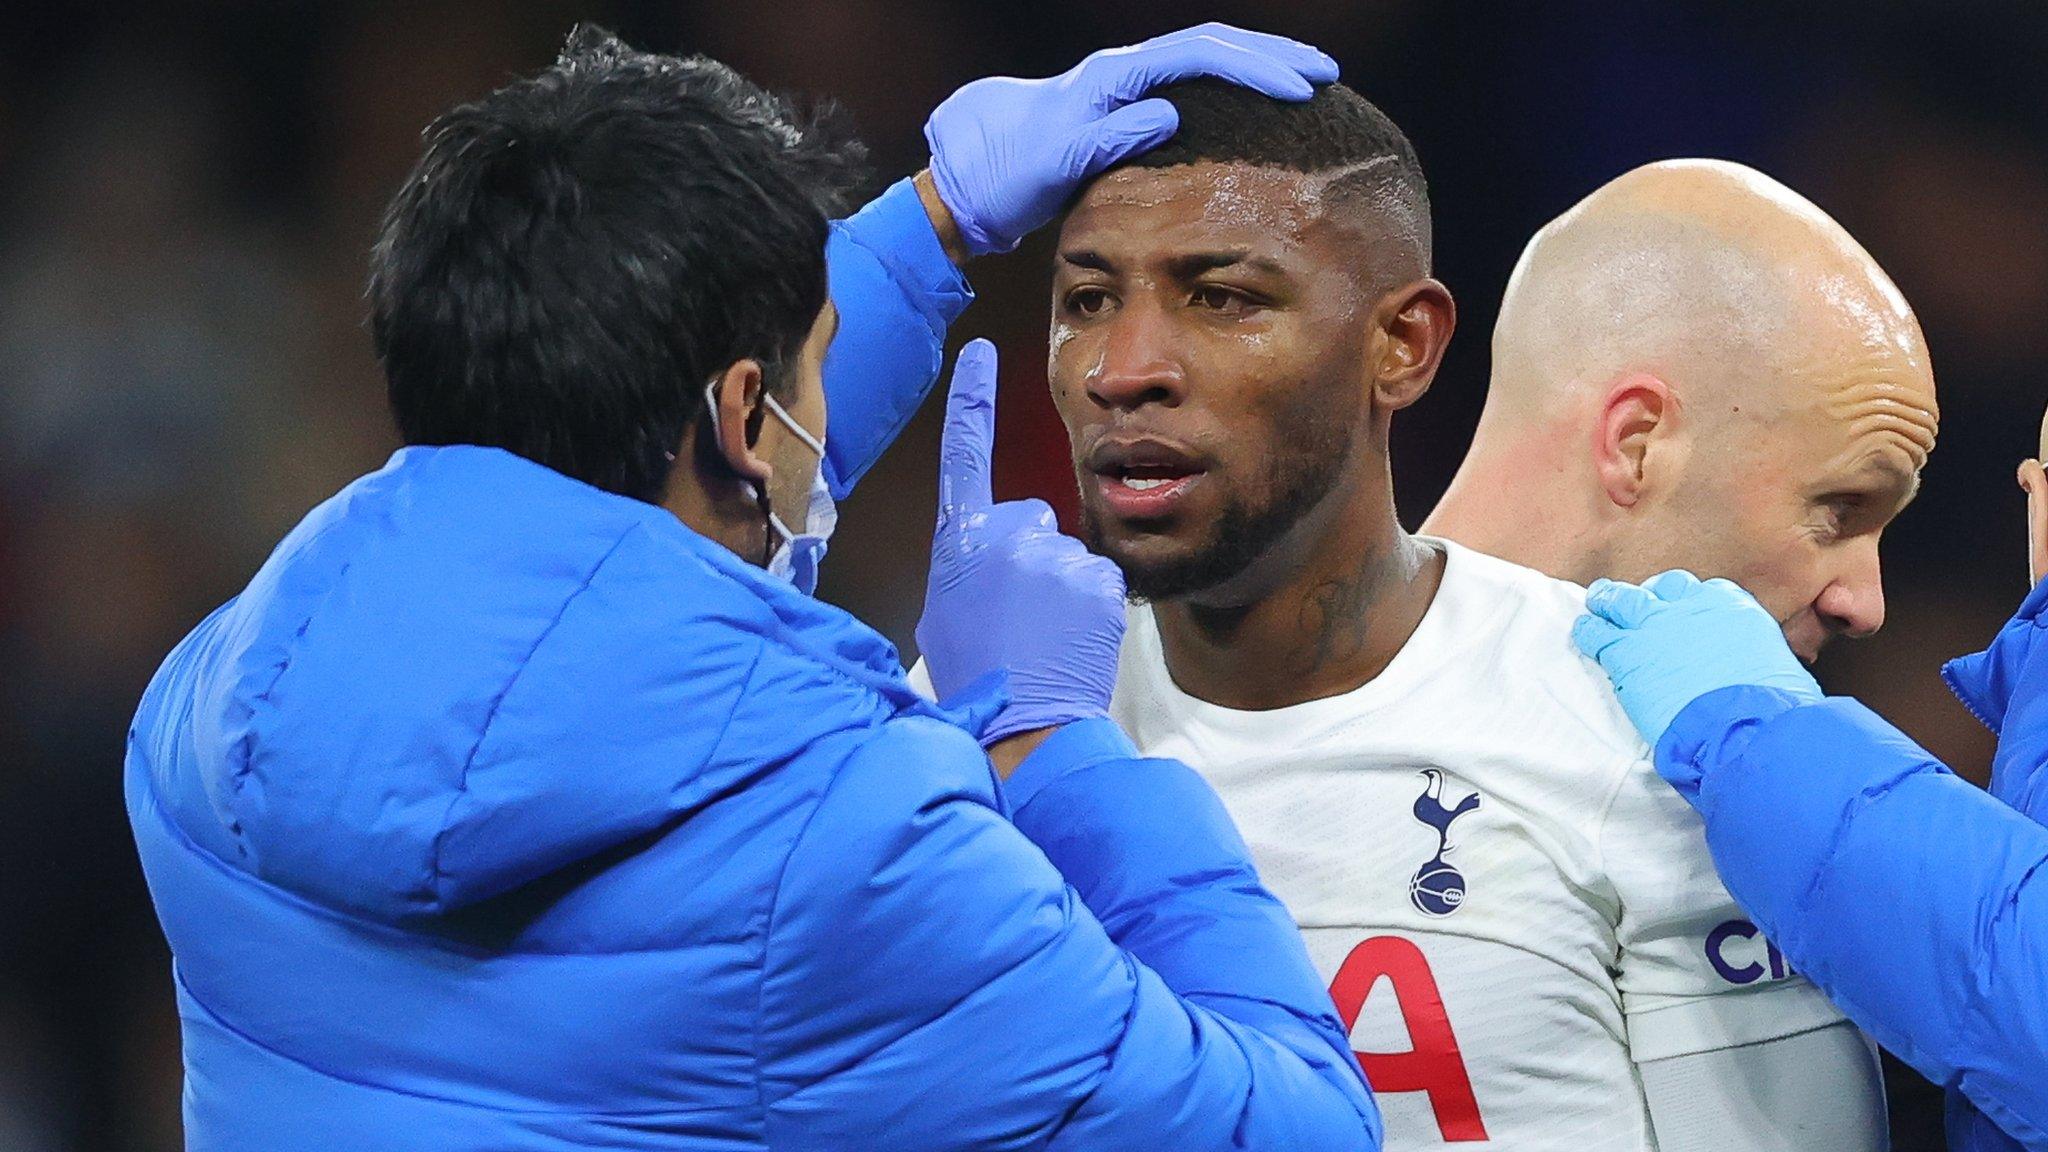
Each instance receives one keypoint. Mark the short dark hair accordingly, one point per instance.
(580, 252)
(1335, 131)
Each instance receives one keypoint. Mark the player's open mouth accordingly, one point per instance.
(1143, 479)
(1139, 495)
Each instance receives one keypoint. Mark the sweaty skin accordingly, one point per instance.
(1228, 346)
(1696, 368)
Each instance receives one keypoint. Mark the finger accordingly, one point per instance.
(1126, 77)
(1593, 635)
(1040, 513)
(1673, 585)
(1129, 130)
(966, 445)
(1312, 63)
(1013, 518)
(1622, 604)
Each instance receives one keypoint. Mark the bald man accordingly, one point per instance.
(1697, 368)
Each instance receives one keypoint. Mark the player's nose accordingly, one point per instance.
(1138, 364)
(1853, 602)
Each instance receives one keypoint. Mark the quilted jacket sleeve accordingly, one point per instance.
(1916, 901)
(936, 982)
(897, 292)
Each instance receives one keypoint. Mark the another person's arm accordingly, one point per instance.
(898, 289)
(1147, 845)
(1087, 959)
(934, 982)
(1006, 155)
(1916, 901)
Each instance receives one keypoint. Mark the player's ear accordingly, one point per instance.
(1634, 441)
(2035, 484)
(1411, 328)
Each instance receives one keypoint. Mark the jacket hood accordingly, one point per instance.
(466, 671)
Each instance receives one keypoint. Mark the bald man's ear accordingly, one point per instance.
(1633, 439)
(1411, 328)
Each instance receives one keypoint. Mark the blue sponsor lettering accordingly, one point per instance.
(1750, 968)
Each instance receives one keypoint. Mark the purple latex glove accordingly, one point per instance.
(1008, 153)
(1008, 593)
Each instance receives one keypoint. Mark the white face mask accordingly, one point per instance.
(797, 557)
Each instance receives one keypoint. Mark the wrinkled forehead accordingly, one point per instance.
(1867, 420)
(1859, 362)
(1139, 212)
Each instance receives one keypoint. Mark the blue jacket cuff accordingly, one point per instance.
(1714, 728)
(895, 228)
(1073, 747)
(897, 293)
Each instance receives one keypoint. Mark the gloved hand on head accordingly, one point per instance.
(1674, 638)
(1008, 153)
(1007, 592)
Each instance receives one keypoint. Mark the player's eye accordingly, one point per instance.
(1087, 300)
(1217, 298)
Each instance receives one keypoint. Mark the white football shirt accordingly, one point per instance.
(1511, 908)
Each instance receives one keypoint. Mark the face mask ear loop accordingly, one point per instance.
(804, 436)
(771, 524)
(797, 430)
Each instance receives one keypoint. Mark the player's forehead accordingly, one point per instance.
(1133, 215)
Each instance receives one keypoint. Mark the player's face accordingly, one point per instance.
(1209, 359)
(1794, 507)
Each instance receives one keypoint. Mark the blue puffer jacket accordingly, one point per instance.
(1916, 901)
(502, 813)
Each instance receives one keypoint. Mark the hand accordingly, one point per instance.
(1007, 592)
(1008, 153)
(1673, 639)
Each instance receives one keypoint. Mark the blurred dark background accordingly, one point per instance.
(188, 192)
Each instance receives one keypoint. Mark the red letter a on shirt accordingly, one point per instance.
(1434, 1065)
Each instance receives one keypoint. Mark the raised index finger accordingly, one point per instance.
(966, 445)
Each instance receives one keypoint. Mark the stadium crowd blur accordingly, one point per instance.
(188, 192)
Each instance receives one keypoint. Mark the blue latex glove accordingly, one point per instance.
(1008, 593)
(1008, 153)
(1673, 639)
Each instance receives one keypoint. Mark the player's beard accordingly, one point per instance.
(1255, 516)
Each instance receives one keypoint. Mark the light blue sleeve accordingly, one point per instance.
(934, 981)
(1916, 901)
(897, 292)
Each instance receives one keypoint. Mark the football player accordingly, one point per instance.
(1519, 921)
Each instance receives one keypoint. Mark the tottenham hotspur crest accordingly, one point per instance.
(1438, 889)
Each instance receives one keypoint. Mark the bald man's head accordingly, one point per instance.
(1714, 375)
(1708, 274)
